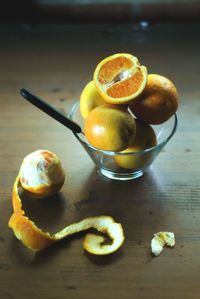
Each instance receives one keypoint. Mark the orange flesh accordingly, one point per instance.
(47, 156)
(111, 68)
(127, 87)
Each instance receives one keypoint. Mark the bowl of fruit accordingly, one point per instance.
(127, 116)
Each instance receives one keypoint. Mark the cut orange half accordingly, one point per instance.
(120, 78)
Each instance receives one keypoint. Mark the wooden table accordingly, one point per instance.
(55, 62)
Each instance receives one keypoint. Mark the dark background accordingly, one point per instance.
(64, 11)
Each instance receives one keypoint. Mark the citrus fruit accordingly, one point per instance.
(120, 78)
(41, 173)
(145, 138)
(158, 102)
(110, 127)
(90, 98)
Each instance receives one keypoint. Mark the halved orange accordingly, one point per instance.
(120, 78)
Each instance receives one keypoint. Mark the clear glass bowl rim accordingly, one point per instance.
(111, 153)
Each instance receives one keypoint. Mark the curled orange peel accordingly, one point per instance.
(35, 239)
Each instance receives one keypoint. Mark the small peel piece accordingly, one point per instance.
(160, 240)
(35, 239)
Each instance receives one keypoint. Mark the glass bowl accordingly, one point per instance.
(105, 161)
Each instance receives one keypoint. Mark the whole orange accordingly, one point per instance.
(158, 102)
(110, 127)
(145, 138)
(90, 98)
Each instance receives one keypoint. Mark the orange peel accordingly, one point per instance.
(34, 238)
(161, 239)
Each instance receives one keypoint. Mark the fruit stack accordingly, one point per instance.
(122, 102)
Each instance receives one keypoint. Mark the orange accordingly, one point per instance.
(120, 78)
(41, 173)
(110, 127)
(90, 98)
(145, 138)
(158, 102)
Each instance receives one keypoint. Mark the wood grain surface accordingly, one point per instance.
(55, 62)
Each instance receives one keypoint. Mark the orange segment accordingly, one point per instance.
(120, 78)
(113, 67)
(127, 87)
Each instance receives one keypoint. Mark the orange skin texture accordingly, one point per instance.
(25, 229)
(28, 233)
(90, 99)
(110, 127)
(45, 191)
(158, 102)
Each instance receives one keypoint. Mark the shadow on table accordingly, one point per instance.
(132, 203)
(103, 196)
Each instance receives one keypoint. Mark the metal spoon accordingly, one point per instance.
(48, 109)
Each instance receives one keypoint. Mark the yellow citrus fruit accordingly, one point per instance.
(120, 78)
(41, 173)
(158, 102)
(110, 127)
(145, 138)
(90, 98)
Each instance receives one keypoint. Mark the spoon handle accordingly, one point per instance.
(48, 109)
